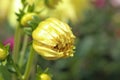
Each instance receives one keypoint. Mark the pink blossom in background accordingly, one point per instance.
(99, 3)
(115, 3)
(9, 41)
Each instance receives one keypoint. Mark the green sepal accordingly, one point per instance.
(41, 71)
(28, 30)
(20, 14)
(30, 8)
(34, 22)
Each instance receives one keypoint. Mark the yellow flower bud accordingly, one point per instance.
(27, 17)
(44, 76)
(53, 39)
(3, 54)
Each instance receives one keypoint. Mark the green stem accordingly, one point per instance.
(22, 54)
(17, 38)
(17, 43)
(29, 64)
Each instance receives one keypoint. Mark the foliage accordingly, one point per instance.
(97, 52)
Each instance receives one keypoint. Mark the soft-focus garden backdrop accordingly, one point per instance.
(97, 29)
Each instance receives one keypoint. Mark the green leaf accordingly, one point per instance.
(10, 64)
